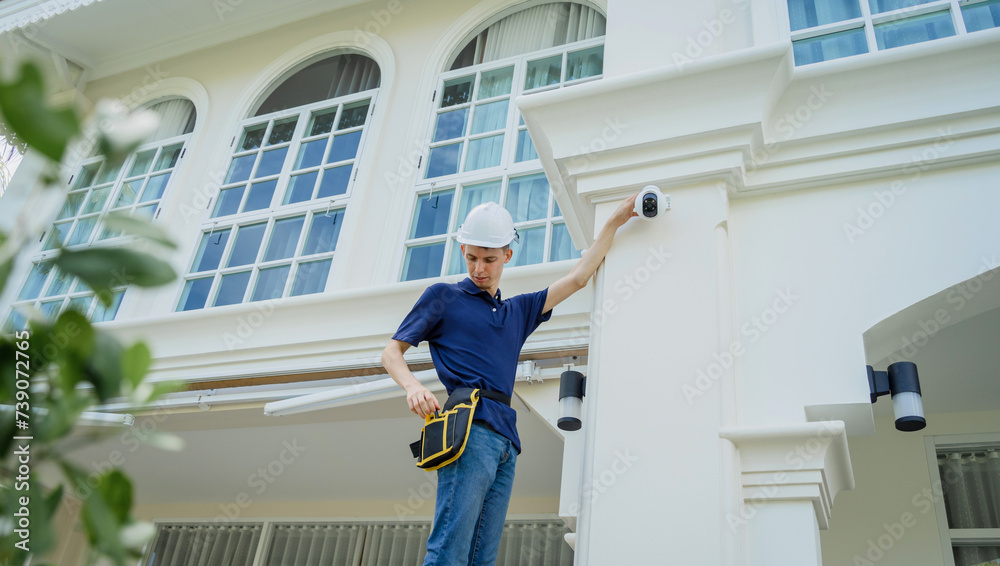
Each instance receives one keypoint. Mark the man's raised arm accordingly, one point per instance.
(584, 269)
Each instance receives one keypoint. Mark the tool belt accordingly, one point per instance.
(445, 433)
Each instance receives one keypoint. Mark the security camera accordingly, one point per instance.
(651, 202)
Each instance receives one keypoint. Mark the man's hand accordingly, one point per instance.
(421, 401)
(624, 211)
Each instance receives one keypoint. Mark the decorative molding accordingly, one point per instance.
(805, 461)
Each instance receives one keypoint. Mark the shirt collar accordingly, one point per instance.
(469, 287)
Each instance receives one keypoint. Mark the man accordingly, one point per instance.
(475, 339)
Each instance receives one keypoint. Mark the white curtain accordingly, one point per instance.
(395, 544)
(541, 27)
(316, 545)
(205, 545)
(176, 117)
(533, 543)
(971, 482)
(353, 73)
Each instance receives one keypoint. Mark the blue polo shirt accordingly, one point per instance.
(475, 340)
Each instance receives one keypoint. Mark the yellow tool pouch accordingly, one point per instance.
(445, 433)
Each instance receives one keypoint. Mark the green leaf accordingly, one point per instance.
(104, 268)
(46, 129)
(116, 489)
(104, 369)
(135, 363)
(138, 226)
(164, 441)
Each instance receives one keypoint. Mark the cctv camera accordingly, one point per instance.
(651, 202)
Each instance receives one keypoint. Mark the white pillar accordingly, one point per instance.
(790, 476)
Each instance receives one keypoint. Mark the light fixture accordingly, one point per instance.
(901, 382)
(572, 385)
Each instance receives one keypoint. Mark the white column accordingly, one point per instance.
(790, 476)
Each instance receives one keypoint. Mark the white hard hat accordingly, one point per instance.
(488, 225)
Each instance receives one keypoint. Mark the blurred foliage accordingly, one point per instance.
(66, 366)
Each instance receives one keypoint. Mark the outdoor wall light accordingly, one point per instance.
(571, 387)
(901, 381)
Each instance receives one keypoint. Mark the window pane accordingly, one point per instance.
(525, 147)
(229, 201)
(323, 233)
(195, 294)
(423, 262)
(271, 162)
(484, 152)
(976, 555)
(36, 279)
(142, 162)
(311, 277)
(345, 146)
(129, 193)
(310, 154)
(72, 205)
(253, 136)
(562, 244)
(828, 47)
(528, 197)
(81, 304)
(15, 322)
(353, 115)
(432, 214)
(451, 124)
(239, 169)
(456, 264)
(474, 195)
(168, 157)
(811, 13)
(102, 313)
(457, 91)
(587, 63)
(60, 283)
(495, 83)
(270, 283)
(284, 238)
(879, 6)
(914, 30)
(84, 228)
(543, 72)
(335, 181)
(154, 187)
(489, 117)
(300, 188)
(322, 121)
(443, 160)
(981, 16)
(50, 309)
(969, 479)
(247, 244)
(108, 173)
(260, 195)
(531, 247)
(282, 131)
(57, 236)
(96, 199)
(145, 211)
(232, 289)
(210, 250)
(86, 176)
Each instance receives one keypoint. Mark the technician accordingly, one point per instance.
(475, 338)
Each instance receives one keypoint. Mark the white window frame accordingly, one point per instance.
(976, 537)
(77, 290)
(507, 168)
(868, 21)
(278, 211)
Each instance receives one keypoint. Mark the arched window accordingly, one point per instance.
(135, 186)
(273, 228)
(480, 148)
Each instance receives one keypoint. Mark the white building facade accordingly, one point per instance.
(833, 173)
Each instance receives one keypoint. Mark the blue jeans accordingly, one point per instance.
(472, 497)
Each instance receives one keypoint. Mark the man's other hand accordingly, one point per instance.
(421, 401)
